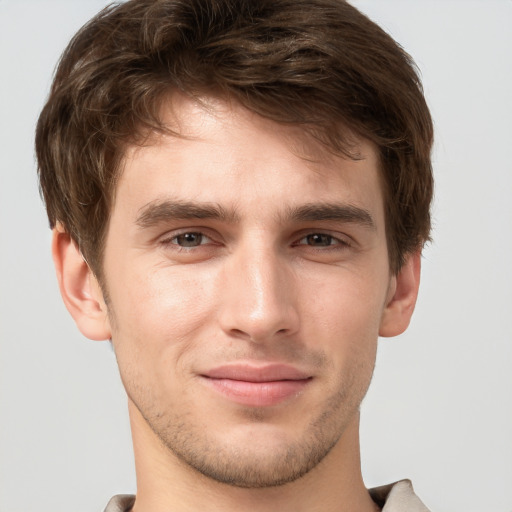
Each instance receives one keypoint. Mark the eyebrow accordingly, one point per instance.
(333, 212)
(159, 211)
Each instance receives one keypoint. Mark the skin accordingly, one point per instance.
(256, 281)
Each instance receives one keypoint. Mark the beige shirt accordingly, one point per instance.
(397, 497)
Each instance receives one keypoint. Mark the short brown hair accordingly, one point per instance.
(320, 64)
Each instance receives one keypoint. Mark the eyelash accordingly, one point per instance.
(333, 241)
(338, 242)
(170, 241)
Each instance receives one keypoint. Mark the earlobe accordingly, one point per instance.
(79, 288)
(402, 297)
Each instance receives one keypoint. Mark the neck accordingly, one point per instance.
(335, 484)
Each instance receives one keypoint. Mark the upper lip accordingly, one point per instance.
(257, 373)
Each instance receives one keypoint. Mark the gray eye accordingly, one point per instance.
(190, 239)
(319, 240)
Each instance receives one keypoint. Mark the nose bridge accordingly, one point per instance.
(260, 293)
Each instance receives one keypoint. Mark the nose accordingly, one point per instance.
(259, 299)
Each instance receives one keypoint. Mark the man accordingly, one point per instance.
(239, 193)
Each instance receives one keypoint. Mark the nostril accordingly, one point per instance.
(257, 335)
(239, 332)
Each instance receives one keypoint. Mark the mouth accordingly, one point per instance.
(257, 386)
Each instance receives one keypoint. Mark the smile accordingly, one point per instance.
(257, 386)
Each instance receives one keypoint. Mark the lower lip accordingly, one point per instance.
(258, 394)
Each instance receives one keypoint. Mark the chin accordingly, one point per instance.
(255, 455)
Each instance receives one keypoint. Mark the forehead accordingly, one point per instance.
(223, 153)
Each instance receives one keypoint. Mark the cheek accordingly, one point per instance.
(344, 312)
(158, 316)
(156, 313)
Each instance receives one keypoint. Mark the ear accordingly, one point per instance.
(79, 287)
(403, 292)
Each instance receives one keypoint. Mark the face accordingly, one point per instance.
(247, 276)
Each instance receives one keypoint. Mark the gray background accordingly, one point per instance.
(439, 409)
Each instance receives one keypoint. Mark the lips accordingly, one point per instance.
(257, 386)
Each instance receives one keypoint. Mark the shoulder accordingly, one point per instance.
(120, 503)
(397, 497)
